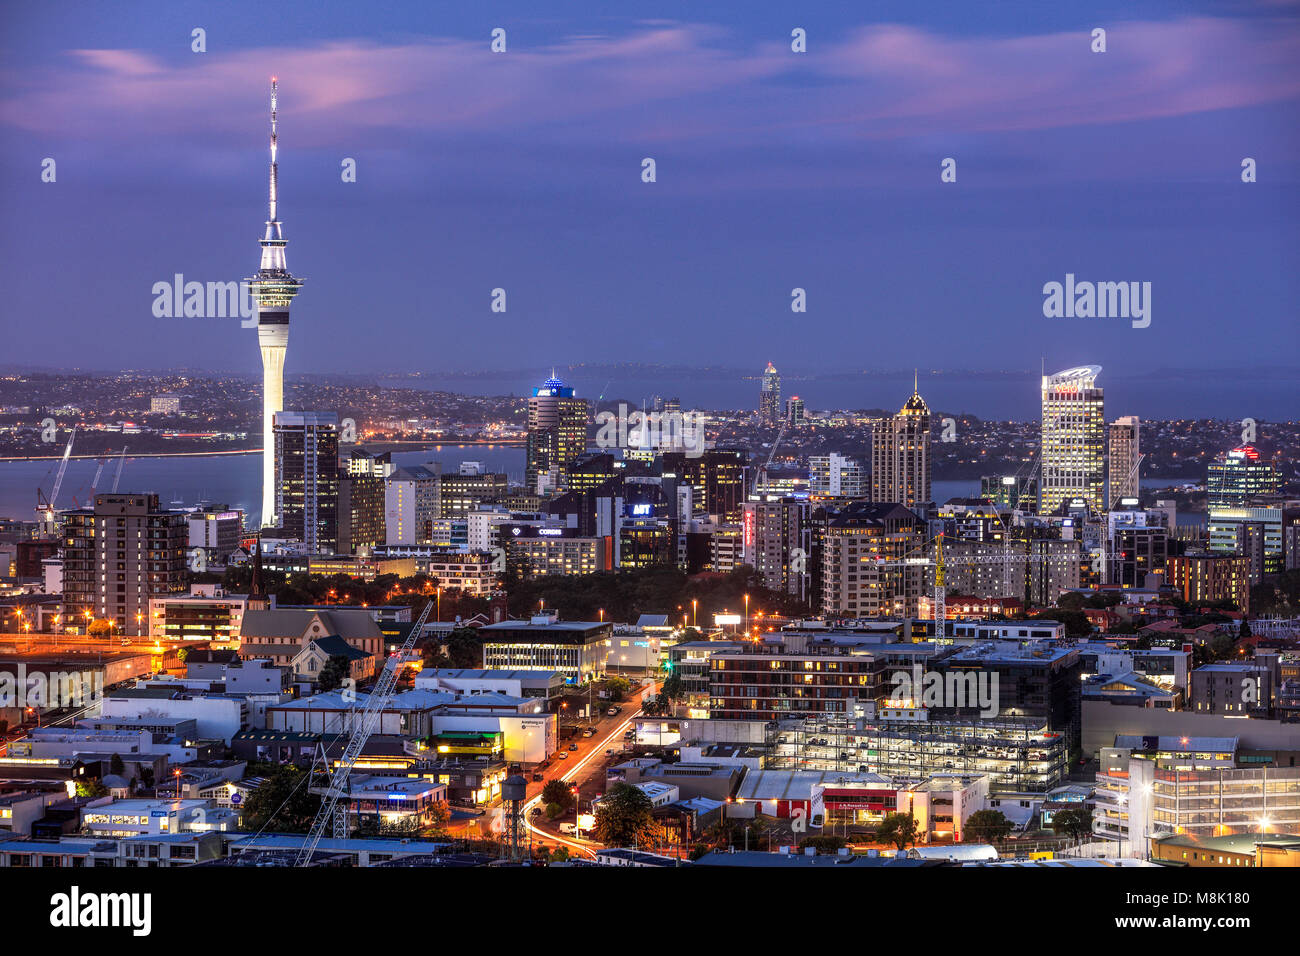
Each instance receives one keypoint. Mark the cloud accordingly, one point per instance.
(673, 83)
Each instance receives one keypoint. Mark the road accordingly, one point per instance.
(577, 767)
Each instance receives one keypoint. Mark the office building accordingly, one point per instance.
(900, 455)
(769, 397)
(576, 649)
(1073, 440)
(363, 487)
(307, 478)
(1255, 532)
(1238, 476)
(410, 505)
(557, 435)
(120, 554)
(1018, 492)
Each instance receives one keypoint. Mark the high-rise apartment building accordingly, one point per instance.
(834, 476)
(900, 455)
(411, 505)
(865, 571)
(557, 435)
(769, 396)
(1124, 454)
(776, 542)
(1073, 439)
(307, 478)
(119, 554)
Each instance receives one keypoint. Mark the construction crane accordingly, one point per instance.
(760, 481)
(45, 507)
(120, 462)
(363, 726)
(940, 563)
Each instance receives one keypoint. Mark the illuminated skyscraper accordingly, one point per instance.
(900, 455)
(1124, 454)
(1073, 439)
(769, 396)
(1237, 476)
(273, 287)
(307, 478)
(557, 435)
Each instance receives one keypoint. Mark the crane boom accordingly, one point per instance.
(120, 462)
(364, 725)
(63, 468)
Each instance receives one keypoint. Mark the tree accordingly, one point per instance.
(115, 765)
(617, 687)
(625, 817)
(986, 826)
(559, 855)
(91, 787)
(333, 673)
(465, 648)
(183, 654)
(1244, 632)
(100, 627)
(672, 687)
(1073, 823)
(439, 818)
(285, 791)
(898, 829)
(557, 792)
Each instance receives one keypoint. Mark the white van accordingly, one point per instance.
(570, 828)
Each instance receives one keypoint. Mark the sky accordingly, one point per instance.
(775, 170)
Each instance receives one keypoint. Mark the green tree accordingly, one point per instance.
(1073, 823)
(285, 791)
(333, 674)
(617, 688)
(557, 791)
(1244, 631)
(898, 829)
(986, 826)
(559, 855)
(91, 787)
(625, 817)
(465, 648)
(115, 765)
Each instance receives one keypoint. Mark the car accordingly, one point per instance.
(573, 746)
(614, 711)
(609, 752)
(589, 732)
(562, 755)
(538, 777)
(535, 812)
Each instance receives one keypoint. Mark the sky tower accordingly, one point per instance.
(273, 288)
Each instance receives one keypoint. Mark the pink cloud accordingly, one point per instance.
(675, 82)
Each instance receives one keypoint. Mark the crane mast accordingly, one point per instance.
(363, 726)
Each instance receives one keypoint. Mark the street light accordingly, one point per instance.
(695, 606)
(746, 612)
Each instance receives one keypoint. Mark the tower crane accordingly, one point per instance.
(761, 479)
(120, 462)
(363, 726)
(45, 507)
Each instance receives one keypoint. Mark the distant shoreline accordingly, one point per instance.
(382, 445)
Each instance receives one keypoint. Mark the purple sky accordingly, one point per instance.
(775, 170)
